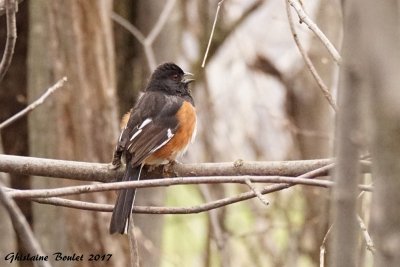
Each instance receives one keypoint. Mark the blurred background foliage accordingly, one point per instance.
(255, 100)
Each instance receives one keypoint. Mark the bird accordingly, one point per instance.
(156, 131)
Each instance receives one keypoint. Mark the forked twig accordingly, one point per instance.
(316, 30)
(308, 62)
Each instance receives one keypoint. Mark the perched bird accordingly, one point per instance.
(157, 130)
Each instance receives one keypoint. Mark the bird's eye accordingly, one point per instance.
(175, 77)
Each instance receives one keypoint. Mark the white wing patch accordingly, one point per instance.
(169, 136)
(140, 128)
(136, 134)
(145, 122)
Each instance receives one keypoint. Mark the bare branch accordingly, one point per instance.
(35, 104)
(314, 28)
(195, 209)
(11, 9)
(307, 60)
(3, 7)
(212, 32)
(257, 192)
(169, 6)
(129, 27)
(21, 226)
(368, 240)
(322, 248)
(80, 189)
(85, 171)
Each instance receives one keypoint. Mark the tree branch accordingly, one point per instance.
(35, 104)
(307, 60)
(147, 42)
(80, 189)
(101, 172)
(163, 210)
(257, 192)
(11, 9)
(21, 226)
(314, 28)
(3, 7)
(212, 33)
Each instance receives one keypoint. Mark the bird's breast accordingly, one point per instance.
(179, 143)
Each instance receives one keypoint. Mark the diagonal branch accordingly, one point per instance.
(147, 42)
(212, 32)
(307, 60)
(314, 28)
(21, 226)
(35, 104)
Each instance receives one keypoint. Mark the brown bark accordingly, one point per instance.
(73, 39)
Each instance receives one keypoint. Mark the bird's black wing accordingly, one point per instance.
(151, 125)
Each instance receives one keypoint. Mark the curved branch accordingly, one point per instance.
(21, 226)
(11, 9)
(314, 28)
(307, 60)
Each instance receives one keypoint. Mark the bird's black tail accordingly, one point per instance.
(123, 207)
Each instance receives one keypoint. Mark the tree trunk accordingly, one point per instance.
(381, 40)
(73, 39)
(348, 141)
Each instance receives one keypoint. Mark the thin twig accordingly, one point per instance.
(81, 189)
(133, 245)
(322, 248)
(314, 28)
(165, 14)
(257, 192)
(307, 60)
(11, 9)
(129, 27)
(188, 210)
(35, 104)
(212, 32)
(368, 240)
(21, 226)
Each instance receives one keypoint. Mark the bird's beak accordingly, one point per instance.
(187, 78)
